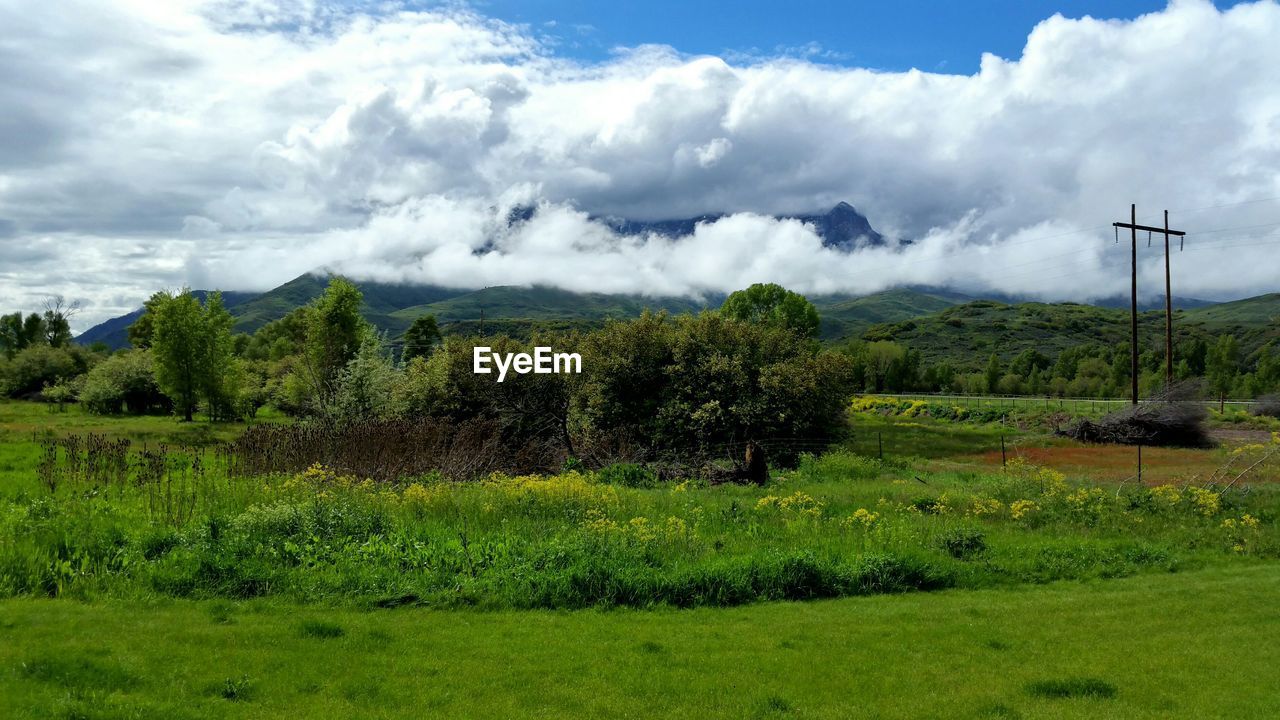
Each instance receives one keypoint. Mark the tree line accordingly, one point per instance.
(1089, 371)
(754, 367)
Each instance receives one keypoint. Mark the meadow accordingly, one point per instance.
(936, 583)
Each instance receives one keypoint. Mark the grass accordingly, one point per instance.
(1189, 645)
(322, 596)
(925, 437)
(20, 422)
(838, 525)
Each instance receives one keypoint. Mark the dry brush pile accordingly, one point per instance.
(1173, 419)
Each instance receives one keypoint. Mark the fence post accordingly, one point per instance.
(1139, 463)
(1003, 461)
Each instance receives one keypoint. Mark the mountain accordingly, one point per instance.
(842, 227)
(115, 332)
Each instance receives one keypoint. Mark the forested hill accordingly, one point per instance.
(938, 322)
(515, 310)
(968, 334)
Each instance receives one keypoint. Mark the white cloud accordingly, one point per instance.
(241, 143)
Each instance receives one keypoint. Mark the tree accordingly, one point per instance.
(696, 382)
(18, 333)
(1222, 364)
(993, 374)
(773, 305)
(1268, 368)
(421, 339)
(38, 366)
(903, 372)
(367, 387)
(881, 355)
(219, 377)
(335, 331)
(179, 343)
(1028, 361)
(193, 357)
(123, 382)
(142, 329)
(57, 320)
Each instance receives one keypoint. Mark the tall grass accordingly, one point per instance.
(839, 524)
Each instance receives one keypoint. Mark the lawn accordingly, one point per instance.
(927, 584)
(1188, 645)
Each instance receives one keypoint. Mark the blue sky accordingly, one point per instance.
(930, 35)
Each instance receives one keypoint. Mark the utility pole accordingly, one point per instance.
(1168, 311)
(1134, 227)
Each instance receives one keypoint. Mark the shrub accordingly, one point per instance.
(123, 382)
(928, 505)
(884, 573)
(1267, 406)
(963, 543)
(706, 380)
(839, 465)
(628, 475)
(40, 365)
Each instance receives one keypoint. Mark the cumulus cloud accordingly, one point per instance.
(240, 143)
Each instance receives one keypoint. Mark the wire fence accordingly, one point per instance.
(1032, 402)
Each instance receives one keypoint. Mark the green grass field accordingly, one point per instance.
(929, 584)
(1193, 645)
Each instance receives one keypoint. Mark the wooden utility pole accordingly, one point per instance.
(1134, 227)
(1168, 311)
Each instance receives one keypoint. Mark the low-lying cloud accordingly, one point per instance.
(238, 144)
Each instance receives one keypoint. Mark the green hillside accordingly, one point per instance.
(1240, 315)
(381, 300)
(540, 303)
(969, 333)
(516, 310)
(939, 323)
(847, 316)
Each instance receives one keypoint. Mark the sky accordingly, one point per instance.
(932, 35)
(237, 144)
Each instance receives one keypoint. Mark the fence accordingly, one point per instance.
(1076, 404)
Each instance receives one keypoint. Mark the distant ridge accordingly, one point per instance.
(115, 332)
(842, 227)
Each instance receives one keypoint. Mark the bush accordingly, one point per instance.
(628, 475)
(1267, 406)
(40, 365)
(839, 465)
(963, 543)
(123, 382)
(707, 380)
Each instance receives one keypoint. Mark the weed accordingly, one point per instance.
(236, 689)
(963, 543)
